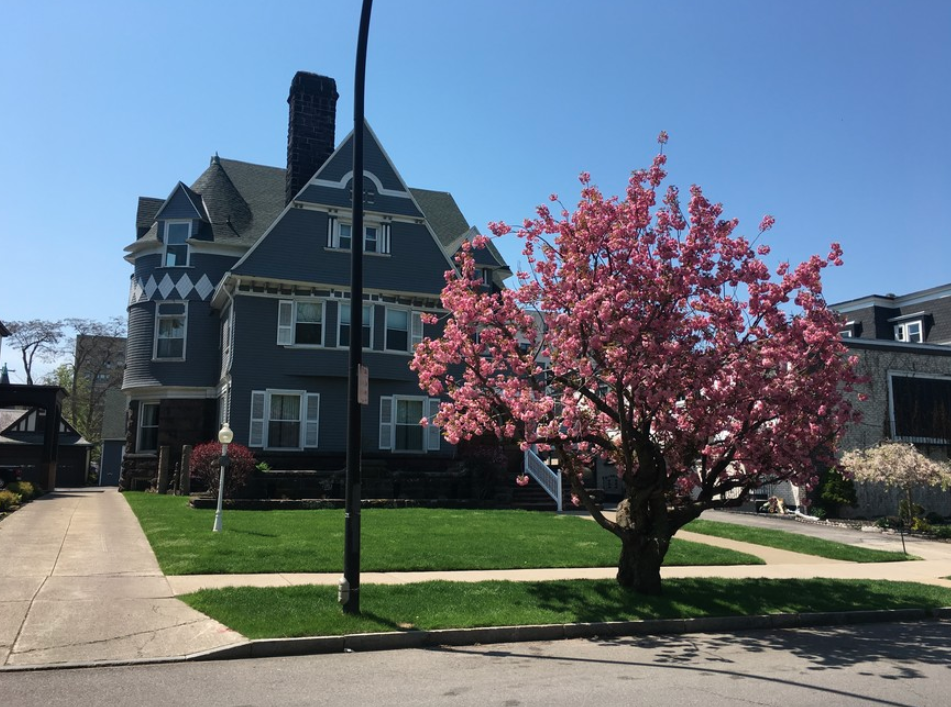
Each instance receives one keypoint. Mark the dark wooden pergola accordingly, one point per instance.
(49, 398)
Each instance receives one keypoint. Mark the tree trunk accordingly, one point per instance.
(639, 565)
(645, 539)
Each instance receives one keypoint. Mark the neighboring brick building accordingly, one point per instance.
(903, 344)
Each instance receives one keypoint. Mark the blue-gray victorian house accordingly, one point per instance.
(239, 308)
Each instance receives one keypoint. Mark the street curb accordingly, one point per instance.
(278, 647)
(363, 642)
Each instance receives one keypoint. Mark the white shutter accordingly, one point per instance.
(432, 430)
(385, 238)
(285, 322)
(256, 438)
(416, 330)
(312, 419)
(386, 422)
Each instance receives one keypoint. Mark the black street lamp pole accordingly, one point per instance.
(350, 584)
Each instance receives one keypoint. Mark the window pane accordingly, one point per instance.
(170, 348)
(283, 434)
(369, 242)
(397, 336)
(285, 407)
(309, 329)
(344, 239)
(345, 325)
(177, 233)
(409, 411)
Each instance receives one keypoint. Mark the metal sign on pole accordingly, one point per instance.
(363, 390)
(349, 594)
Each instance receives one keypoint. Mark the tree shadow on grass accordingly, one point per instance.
(590, 602)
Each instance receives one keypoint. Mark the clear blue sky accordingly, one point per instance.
(831, 115)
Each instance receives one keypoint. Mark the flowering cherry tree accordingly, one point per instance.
(653, 340)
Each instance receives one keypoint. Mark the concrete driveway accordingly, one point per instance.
(80, 583)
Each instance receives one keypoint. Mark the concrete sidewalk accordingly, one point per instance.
(79, 582)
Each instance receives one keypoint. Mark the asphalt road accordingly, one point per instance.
(883, 664)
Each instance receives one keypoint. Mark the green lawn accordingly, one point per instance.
(794, 542)
(405, 539)
(314, 611)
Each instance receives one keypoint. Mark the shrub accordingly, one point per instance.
(205, 466)
(934, 518)
(942, 531)
(25, 489)
(833, 492)
(8, 500)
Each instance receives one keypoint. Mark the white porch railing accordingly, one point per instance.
(546, 477)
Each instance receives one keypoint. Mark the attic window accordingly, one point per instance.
(376, 236)
(176, 246)
(911, 332)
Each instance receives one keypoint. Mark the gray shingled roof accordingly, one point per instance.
(244, 199)
(145, 214)
(443, 214)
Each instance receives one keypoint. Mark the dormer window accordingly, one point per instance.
(176, 243)
(912, 332)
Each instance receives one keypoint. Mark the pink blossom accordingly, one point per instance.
(522, 480)
(662, 138)
(766, 223)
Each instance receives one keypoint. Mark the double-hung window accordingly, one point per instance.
(171, 324)
(912, 332)
(376, 236)
(343, 333)
(404, 329)
(176, 246)
(300, 323)
(147, 438)
(284, 419)
(400, 428)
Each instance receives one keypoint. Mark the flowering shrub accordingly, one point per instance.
(897, 465)
(205, 466)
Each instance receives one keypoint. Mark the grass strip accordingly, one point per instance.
(404, 539)
(795, 542)
(314, 611)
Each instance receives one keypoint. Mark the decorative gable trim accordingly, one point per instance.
(342, 184)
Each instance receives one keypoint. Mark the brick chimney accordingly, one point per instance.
(310, 128)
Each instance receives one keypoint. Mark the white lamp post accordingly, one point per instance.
(225, 435)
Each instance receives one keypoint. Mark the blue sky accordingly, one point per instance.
(833, 116)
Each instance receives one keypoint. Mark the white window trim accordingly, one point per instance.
(188, 250)
(346, 303)
(902, 333)
(308, 417)
(155, 335)
(382, 236)
(287, 333)
(138, 428)
(432, 438)
(414, 333)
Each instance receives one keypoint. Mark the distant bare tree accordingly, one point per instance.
(35, 339)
